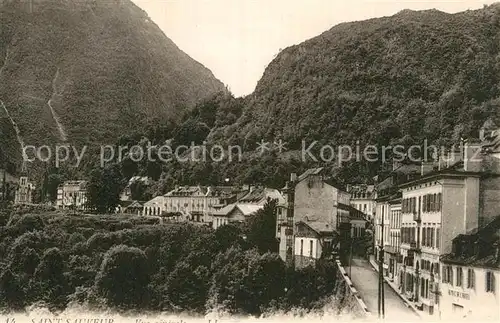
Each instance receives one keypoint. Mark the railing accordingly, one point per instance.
(414, 246)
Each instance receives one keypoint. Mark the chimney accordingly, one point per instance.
(293, 177)
(426, 167)
(451, 157)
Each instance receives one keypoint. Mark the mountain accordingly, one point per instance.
(400, 79)
(414, 76)
(87, 71)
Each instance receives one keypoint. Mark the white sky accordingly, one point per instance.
(236, 39)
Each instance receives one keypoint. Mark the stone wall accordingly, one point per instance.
(350, 299)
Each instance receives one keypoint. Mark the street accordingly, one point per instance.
(365, 279)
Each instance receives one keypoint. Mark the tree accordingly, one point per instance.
(53, 181)
(104, 188)
(261, 228)
(49, 282)
(139, 191)
(124, 277)
(11, 291)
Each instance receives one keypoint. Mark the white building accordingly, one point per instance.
(470, 279)
(193, 203)
(24, 190)
(436, 208)
(311, 239)
(311, 197)
(363, 198)
(72, 194)
(251, 202)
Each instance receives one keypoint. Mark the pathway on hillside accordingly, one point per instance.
(365, 279)
(55, 94)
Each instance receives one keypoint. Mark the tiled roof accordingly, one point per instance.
(310, 171)
(203, 190)
(361, 188)
(260, 194)
(491, 144)
(356, 214)
(246, 209)
(319, 226)
(477, 249)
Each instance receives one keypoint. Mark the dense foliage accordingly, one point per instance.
(53, 259)
(403, 79)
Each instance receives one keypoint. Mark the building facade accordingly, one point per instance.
(24, 191)
(311, 239)
(253, 200)
(470, 279)
(363, 198)
(193, 203)
(393, 248)
(311, 198)
(72, 195)
(436, 208)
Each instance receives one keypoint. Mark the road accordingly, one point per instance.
(365, 279)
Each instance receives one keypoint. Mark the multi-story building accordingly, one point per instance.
(24, 190)
(470, 279)
(436, 208)
(363, 198)
(193, 203)
(72, 194)
(312, 198)
(393, 249)
(387, 198)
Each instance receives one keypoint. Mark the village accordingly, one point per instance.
(433, 227)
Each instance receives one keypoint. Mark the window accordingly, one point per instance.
(459, 276)
(447, 275)
(301, 247)
(310, 248)
(439, 202)
(437, 238)
(490, 282)
(471, 280)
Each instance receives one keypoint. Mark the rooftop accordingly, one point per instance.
(260, 194)
(319, 227)
(203, 191)
(246, 209)
(479, 249)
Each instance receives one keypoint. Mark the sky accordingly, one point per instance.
(237, 39)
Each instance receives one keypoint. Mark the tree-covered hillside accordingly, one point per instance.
(87, 71)
(413, 76)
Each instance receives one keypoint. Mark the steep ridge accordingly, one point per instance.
(88, 71)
